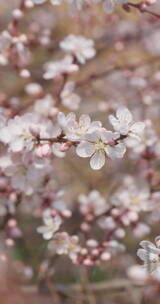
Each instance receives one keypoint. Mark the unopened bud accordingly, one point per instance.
(105, 256)
(17, 14)
(29, 4)
(24, 73)
(92, 243)
(43, 151)
(66, 213)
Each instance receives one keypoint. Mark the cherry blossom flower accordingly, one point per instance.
(63, 243)
(21, 131)
(51, 225)
(45, 106)
(150, 255)
(25, 175)
(57, 68)
(77, 130)
(148, 140)
(69, 99)
(92, 203)
(133, 199)
(98, 146)
(123, 123)
(79, 46)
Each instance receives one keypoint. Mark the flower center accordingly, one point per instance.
(100, 146)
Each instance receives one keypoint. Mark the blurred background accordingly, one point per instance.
(125, 71)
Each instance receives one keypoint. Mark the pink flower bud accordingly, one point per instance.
(115, 212)
(105, 256)
(85, 227)
(54, 212)
(29, 4)
(13, 197)
(88, 262)
(84, 251)
(34, 130)
(92, 243)
(133, 216)
(24, 73)
(89, 217)
(120, 233)
(66, 213)
(12, 223)
(9, 242)
(95, 252)
(65, 147)
(54, 111)
(17, 14)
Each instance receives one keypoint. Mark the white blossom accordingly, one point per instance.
(133, 198)
(79, 46)
(93, 203)
(124, 124)
(63, 243)
(74, 129)
(51, 225)
(98, 146)
(56, 68)
(70, 99)
(45, 105)
(25, 175)
(21, 131)
(150, 255)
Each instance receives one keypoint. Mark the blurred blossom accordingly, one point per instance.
(70, 99)
(51, 225)
(64, 244)
(93, 203)
(149, 254)
(79, 46)
(124, 124)
(109, 5)
(61, 67)
(137, 274)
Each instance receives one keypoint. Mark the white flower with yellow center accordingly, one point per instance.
(98, 145)
(124, 124)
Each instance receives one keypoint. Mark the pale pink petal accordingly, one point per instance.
(85, 149)
(97, 161)
(85, 120)
(123, 114)
(137, 127)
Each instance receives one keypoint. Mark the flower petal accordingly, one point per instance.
(116, 152)
(85, 149)
(123, 114)
(97, 161)
(137, 127)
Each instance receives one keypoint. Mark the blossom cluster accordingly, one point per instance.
(60, 111)
(37, 134)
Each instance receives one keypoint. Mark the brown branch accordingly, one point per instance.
(140, 7)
